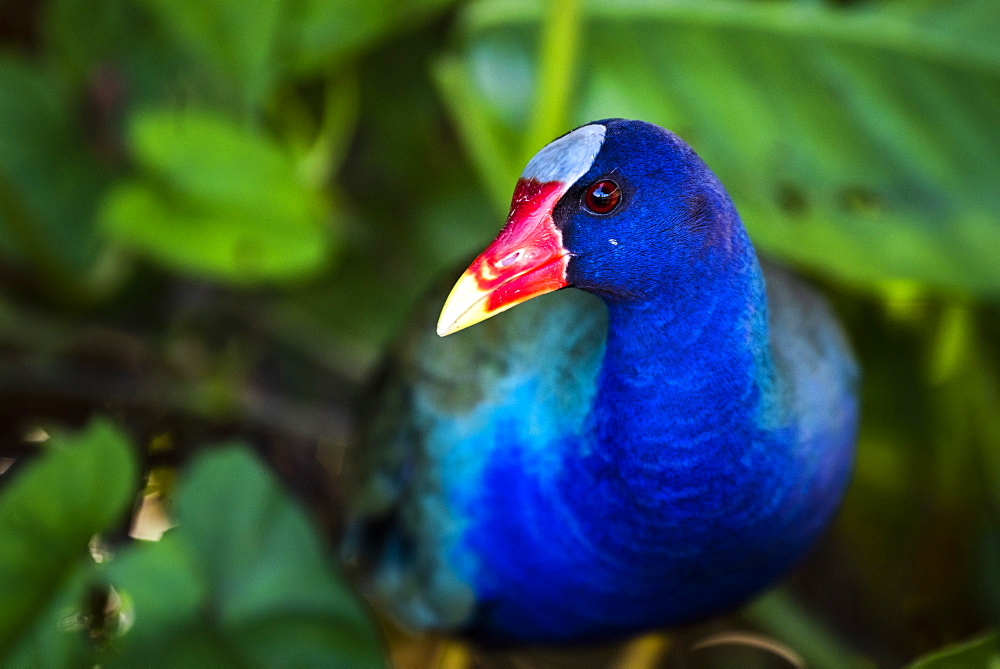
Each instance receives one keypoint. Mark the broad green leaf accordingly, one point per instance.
(59, 637)
(49, 179)
(243, 581)
(48, 516)
(860, 141)
(981, 653)
(217, 200)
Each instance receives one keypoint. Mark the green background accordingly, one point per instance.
(214, 216)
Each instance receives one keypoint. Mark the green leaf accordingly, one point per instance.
(58, 639)
(860, 141)
(243, 581)
(49, 180)
(219, 201)
(981, 653)
(48, 516)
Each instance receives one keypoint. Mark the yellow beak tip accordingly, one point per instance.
(450, 324)
(465, 306)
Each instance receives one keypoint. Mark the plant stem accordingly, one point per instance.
(778, 614)
(556, 69)
(489, 155)
(341, 107)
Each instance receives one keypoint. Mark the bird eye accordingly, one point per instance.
(602, 197)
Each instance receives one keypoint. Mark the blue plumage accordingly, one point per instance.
(576, 470)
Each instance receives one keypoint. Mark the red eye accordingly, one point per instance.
(602, 196)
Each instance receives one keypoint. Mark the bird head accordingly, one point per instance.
(623, 209)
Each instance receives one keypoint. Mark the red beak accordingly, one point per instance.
(527, 259)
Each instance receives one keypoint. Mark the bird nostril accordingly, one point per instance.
(511, 258)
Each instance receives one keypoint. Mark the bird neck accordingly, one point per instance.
(687, 364)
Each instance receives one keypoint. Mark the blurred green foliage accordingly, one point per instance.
(248, 588)
(214, 215)
(48, 517)
(982, 652)
(217, 200)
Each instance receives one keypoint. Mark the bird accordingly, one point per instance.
(662, 427)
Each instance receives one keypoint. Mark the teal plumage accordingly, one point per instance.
(449, 391)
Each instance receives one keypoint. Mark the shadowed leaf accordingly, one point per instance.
(243, 581)
(981, 652)
(48, 516)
